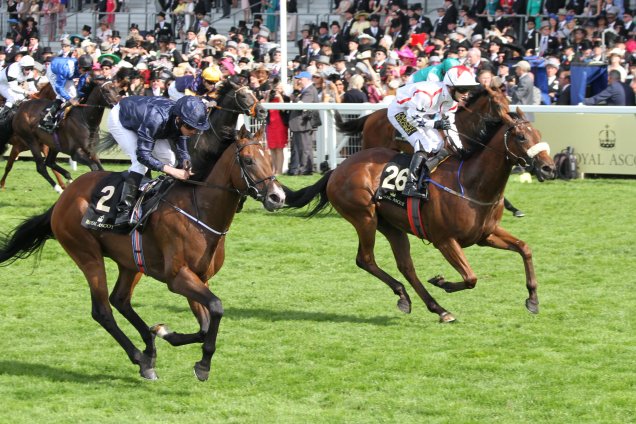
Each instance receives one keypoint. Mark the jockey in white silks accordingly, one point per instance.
(420, 110)
(17, 81)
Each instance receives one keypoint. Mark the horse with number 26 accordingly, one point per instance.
(183, 245)
(465, 203)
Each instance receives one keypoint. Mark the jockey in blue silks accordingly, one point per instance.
(61, 73)
(144, 127)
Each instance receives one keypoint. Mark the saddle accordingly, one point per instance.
(102, 210)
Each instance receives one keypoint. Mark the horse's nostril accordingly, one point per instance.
(274, 198)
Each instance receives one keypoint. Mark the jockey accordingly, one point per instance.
(203, 85)
(433, 72)
(420, 110)
(61, 73)
(144, 127)
(17, 82)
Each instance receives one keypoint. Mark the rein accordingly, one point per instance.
(251, 110)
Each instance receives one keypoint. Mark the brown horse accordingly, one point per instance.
(464, 208)
(183, 245)
(76, 136)
(19, 146)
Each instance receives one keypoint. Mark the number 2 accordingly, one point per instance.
(108, 192)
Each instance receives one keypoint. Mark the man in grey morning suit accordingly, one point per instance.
(300, 124)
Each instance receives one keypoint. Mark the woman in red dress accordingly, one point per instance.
(277, 129)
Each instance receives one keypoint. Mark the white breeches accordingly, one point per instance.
(127, 141)
(173, 93)
(10, 95)
(427, 139)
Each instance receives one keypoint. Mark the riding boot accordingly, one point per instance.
(411, 188)
(48, 121)
(129, 194)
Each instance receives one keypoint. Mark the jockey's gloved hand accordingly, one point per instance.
(442, 124)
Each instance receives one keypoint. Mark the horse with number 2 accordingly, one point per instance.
(183, 245)
(465, 202)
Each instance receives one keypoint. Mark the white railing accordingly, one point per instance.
(334, 147)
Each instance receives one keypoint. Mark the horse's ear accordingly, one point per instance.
(242, 132)
(259, 133)
(520, 113)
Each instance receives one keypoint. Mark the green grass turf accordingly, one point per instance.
(309, 337)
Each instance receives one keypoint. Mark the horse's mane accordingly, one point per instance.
(208, 148)
(222, 89)
(478, 126)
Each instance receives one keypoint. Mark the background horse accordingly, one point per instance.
(464, 208)
(76, 136)
(182, 245)
(19, 146)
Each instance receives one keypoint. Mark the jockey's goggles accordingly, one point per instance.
(464, 88)
(27, 68)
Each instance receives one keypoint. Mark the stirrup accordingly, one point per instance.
(411, 190)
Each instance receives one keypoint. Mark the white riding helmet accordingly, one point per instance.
(460, 76)
(27, 62)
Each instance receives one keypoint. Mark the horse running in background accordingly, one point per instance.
(377, 130)
(183, 245)
(464, 208)
(19, 146)
(77, 135)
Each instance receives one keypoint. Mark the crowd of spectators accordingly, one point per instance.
(365, 52)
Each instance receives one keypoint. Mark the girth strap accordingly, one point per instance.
(138, 251)
(415, 217)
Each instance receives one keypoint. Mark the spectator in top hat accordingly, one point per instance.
(374, 29)
(162, 27)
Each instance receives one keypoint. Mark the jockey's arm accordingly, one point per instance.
(181, 147)
(16, 86)
(60, 82)
(145, 145)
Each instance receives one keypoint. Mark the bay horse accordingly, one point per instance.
(19, 146)
(464, 208)
(183, 245)
(76, 136)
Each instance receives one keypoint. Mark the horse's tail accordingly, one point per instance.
(304, 196)
(6, 131)
(106, 142)
(352, 127)
(27, 238)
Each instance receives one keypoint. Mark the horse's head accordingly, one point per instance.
(256, 177)
(239, 99)
(104, 93)
(524, 147)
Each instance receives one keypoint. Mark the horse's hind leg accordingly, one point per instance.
(92, 161)
(402, 251)
(120, 299)
(58, 176)
(51, 158)
(501, 239)
(40, 165)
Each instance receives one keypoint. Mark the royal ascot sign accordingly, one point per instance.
(603, 144)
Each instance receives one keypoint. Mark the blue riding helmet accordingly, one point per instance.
(193, 112)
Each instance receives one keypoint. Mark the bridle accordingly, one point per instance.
(242, 108)
(531, 153)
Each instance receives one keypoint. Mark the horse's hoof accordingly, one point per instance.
(69, 181)
(201, 372)
(58, 189)
(532, 306)
(437, 280)
(147, 367)
(404, 306)
(160, 330)
(446, 318)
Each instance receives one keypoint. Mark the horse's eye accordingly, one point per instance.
(248, 161)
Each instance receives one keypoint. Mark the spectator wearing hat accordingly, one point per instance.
(615, 57)
(29, 28)
(544, 44)
(131, 53)
(347, 23)
(10, 49)
(323, 33)
(336, 38)
(339, 64)
(374, 29)
(33, 48)
(305, 40)
(522, 92)
(103, 33)
(205, 29)
(175, 56)
(628, 24)
(360, 23)
(352, 47)
(191, 42)
(67, 49)
(380, 56)
(302, 124)
(159, 79)
(162, 27)
(261, 46)
(552, 70)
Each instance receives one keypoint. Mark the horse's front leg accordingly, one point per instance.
(501, 239)
(188, 284)
(179, 339)
(51, 158)
(120, 298)
(13, 156)
(454, 254)
(40, 165)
